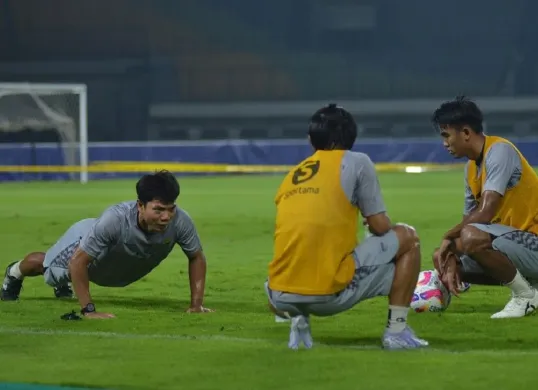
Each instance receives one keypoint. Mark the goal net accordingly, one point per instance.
(43, 130)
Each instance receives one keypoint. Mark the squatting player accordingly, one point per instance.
(120, 247)
(497, 240)
(318, 266)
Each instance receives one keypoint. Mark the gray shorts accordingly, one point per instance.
(519, 246)
(374, 272)
(58, 256)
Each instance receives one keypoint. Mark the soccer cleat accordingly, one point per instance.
(63, 291)
(300, 333)
(518, 307)
(11, 287)
(279, 319)
(406, 339)
(464, 286)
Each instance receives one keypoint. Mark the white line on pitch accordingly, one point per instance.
(115, 335)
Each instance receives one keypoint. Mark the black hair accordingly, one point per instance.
(457, 114)
(332, 127)
(161, 186)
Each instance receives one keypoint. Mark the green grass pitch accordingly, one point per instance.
(153, 344)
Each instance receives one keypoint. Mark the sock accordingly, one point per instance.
(520, 287)
(397, 320)
(15, 270)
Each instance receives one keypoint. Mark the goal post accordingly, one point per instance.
(58, 107)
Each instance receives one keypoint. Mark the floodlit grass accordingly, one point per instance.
(153, 344)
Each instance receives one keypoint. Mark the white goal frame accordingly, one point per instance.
(80, 90)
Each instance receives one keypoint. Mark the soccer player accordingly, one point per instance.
(120, 247)
(497, 240)
(319, 268)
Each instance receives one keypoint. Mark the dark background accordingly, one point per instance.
(135, 55)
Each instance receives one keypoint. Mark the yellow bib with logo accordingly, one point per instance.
(519, 205)
(316, 229)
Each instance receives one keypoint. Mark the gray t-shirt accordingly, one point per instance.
(122, 253)
(503, 171)
(360, 183)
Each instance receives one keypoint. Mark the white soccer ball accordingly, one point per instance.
(430, 293)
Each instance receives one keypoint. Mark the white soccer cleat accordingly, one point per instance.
(518, 307)
(300, 333)
(406, 339)
(279, 319)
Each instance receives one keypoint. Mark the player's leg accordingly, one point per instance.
(470, 272)
(279, 315)
(509, 256)
(398, 335)
(38, 263)
(31, 265)
(385, 266)
(295, 308)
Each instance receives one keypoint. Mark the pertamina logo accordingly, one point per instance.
(305, 172)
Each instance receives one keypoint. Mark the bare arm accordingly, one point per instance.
(487, 209)
(503, 165)
(379, 224)
(367, 196)
(188, 240)
(78, 269)
(197, 276)
(101, 237)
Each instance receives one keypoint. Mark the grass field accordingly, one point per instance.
(153, 344)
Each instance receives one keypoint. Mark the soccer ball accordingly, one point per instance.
(430, 293)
